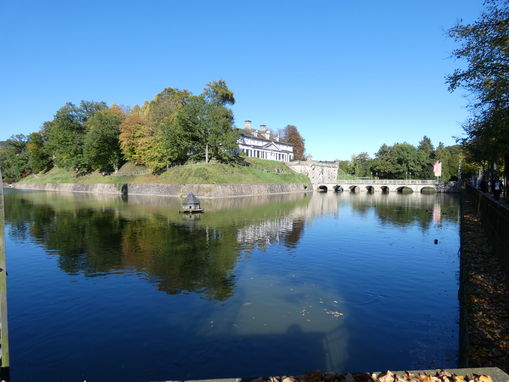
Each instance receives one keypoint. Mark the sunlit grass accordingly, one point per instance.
(251, 171)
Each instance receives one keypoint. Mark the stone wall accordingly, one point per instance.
(200, 190)
(317, 172)
(72, 187)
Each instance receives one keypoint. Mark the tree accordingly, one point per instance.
(203, 129)
(65, 137)
(483, 46)
(362, 164)
(160, 113)
(399, 161)
(40, 158)
(134, 132)
(292, 136)
(345, 167)
(426, 158)
(165, 106)
(218, 92)
(222, 137)
(101, 144)
(14, 158)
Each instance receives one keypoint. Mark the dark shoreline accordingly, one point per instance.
(484, 292)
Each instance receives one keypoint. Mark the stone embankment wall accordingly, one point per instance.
(72, 187)
(200, 190)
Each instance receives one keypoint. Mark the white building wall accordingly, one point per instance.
(253, 147)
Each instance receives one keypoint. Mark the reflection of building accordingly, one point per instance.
(265, 233)
(264, 144)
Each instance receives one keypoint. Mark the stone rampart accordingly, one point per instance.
(72, 187)
(317, 172)
(200, 190)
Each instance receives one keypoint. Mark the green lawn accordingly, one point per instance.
(253, 171)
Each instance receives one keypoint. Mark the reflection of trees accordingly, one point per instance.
(99, 236)
(403, 210)
(180, 258)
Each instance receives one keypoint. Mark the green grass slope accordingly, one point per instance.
(253, 171)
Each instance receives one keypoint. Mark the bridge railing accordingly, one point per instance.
(390, 181)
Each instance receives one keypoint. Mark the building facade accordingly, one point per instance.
(264, 144)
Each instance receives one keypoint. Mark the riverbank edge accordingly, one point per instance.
(173, 190)
(496, 375)
(483, 292)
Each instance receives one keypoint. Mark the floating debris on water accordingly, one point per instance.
(333, 313)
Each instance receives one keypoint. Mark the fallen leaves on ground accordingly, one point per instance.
(484, 297)
(439, 376)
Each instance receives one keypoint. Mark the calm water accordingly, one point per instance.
(104, 289)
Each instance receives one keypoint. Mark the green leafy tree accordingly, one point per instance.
(345, 167)
(426, 153)
(14, 158)
(362, 164)
(165, 106)
(203, 129)
(65, 137)
(399, 161)
(155, 148)
(40, 158)
(483, 48)
(101, 145)
(220, 135)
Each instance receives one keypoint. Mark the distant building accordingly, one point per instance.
(264, 144)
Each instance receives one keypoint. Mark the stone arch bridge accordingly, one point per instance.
(379, 185)
(323, 177)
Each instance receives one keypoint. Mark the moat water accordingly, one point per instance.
(105, 289)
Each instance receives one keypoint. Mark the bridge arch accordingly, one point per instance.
(370, 189)
(385, 189)
(428, 190)
(354, 188)
(338, 188)
(322, 188)
(404, 190)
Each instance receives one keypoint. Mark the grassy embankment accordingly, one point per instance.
(254, 171)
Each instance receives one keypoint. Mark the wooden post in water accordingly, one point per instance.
(4, 329)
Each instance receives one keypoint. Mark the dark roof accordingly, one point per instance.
(260, 136)
(191, 199)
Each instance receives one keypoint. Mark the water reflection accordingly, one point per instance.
(100, 234)
(255, 286)
(403, 210)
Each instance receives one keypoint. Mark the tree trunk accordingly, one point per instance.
(206, 153)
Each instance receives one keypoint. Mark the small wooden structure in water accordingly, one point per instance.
(191, 205)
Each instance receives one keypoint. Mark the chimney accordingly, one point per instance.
(247, 124)
(267, 135)
(263, 128)
(276, 138)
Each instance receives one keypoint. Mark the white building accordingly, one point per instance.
(262, 143)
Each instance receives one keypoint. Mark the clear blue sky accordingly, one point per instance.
(350, 75)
